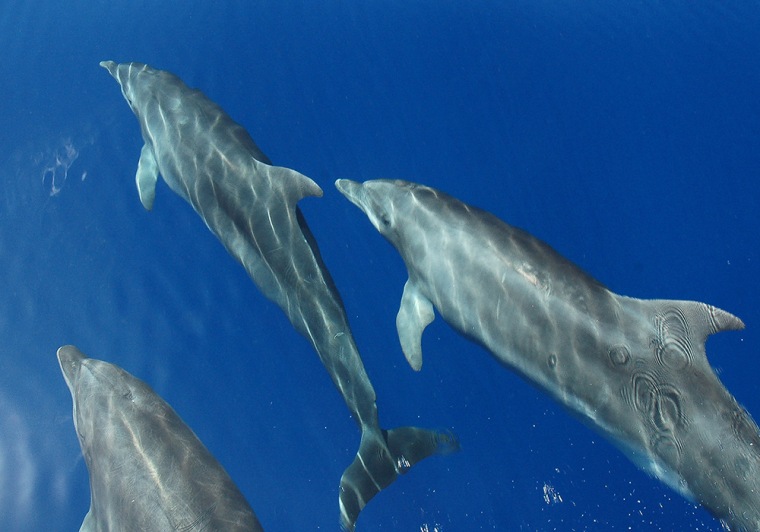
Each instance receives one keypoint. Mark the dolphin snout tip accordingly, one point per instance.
(347, 187)
(340, 184)
(109, 65)
(69, 352)
(352, 190)
(70, 359)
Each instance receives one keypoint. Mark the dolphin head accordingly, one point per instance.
(96, 387)
(130, 76)
(383, 201)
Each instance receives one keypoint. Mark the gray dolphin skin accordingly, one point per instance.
(148, 470)
(634, 370)
(250, 205)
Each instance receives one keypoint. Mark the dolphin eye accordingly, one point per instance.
(385, 219)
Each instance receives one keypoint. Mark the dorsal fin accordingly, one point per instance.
(296, 185)
(703, 319)
(683, 328)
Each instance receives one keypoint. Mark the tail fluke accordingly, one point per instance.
(382, 457)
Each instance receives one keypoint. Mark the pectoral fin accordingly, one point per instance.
(415, 314)
(147, 175)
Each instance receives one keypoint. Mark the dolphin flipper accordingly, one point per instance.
(416, 313)
(147, 176)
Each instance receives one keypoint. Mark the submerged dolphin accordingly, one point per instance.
(250, 205)
(635, 370)
(148, 470)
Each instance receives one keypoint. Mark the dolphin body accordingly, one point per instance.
(250, 205)
(634, 370)
(148, 470)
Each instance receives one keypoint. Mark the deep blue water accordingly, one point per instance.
(625, 134)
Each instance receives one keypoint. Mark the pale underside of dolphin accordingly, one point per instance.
(148, 470)
(250, 205)
(635, 370)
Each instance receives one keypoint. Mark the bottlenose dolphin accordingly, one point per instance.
(250, 205)
(148, 470)
(635, 370)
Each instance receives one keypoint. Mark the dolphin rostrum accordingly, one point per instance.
(635, 370)
(148, 470)
(250, 205)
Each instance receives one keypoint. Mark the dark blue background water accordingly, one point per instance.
(626, 134)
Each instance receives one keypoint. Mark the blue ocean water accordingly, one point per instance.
(625, 134)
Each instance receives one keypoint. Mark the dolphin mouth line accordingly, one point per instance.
(350, 189)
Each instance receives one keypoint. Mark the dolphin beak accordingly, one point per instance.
(352, 190)
(70, 359)
(111, 67)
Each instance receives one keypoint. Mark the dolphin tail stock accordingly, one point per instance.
(383, 455)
